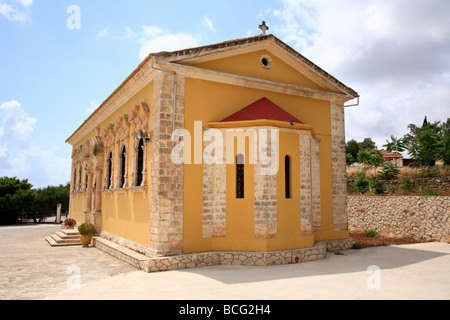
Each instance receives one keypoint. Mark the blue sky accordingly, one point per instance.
(396, 54)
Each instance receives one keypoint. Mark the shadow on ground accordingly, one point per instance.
(350, 261)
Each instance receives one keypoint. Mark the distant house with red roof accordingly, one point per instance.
(393, 157)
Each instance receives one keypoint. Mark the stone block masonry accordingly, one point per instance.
(166, 187)
(338, 167)
(142, 258)
(426, 218)
(305, 183)
(265, 197)
(246, 258)
(214, 196)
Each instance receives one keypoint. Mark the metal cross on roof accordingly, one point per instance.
(263, 27)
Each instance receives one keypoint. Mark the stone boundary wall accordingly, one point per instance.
(426, 218)
(437, 183)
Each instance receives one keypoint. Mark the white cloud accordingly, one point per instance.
(156, 40)
(16, 123)
(11, 13)
(129, 33)
(152, 31)
(92, 108)
(393, 53)
(26, 3)
(15, 10)
(21, 158)
(102, 33)
(208, 23)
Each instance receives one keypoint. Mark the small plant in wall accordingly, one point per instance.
(371, 232)
(87, 231)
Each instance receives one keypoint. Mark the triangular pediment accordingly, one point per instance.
(262, 57)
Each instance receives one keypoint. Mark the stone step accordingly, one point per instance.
(70, 232)
(68, 240)
(55, 241)
(129, 256)
(65, 237)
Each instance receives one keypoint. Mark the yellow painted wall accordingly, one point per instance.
(212, 102)
(249, 65)
(127, 218)
(77, 206)
(127, 214)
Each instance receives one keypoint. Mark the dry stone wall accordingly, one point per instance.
(425, 218)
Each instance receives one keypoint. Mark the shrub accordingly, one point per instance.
(429, 172)
(359, 183)
(371, 232)
(392, 189)
(389, 171)
(427, 191)
(87, 229)
(376, 186)
(407, 184)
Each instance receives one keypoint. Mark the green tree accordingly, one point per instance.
(48, 198)
(425, 143)
(349, 159)
(444, 153)
(395, 145)
(367, 144)
(370, 158)
(16, 198)
(352, 148)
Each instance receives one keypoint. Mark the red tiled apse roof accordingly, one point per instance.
(262, 109)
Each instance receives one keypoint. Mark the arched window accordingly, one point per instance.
(122, 173)
(140, 162)
(110, 162)
(240, 176)
(287, 176)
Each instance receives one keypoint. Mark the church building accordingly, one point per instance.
(237, 146)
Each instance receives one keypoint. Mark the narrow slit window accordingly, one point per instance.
(74, 179)
(140, 163)
(287, 176)
(79, 179)
(110, 162)
(240, 176)
(122, 168)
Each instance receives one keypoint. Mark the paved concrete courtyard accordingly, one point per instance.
(31, 269)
